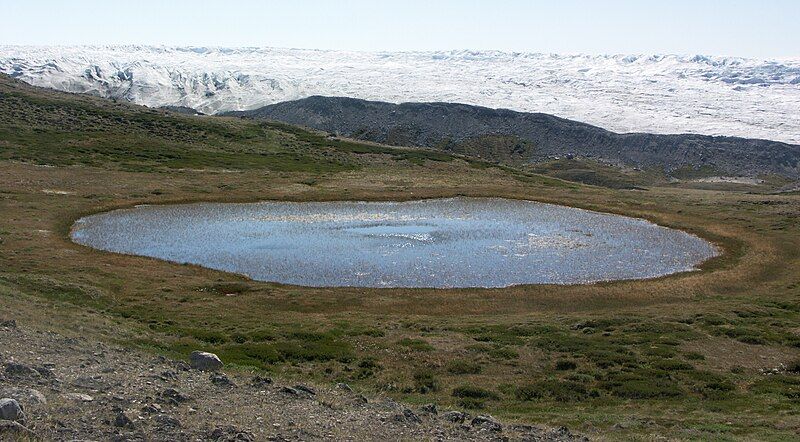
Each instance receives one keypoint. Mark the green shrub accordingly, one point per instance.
(793, 366)
(426, 382)
(472, 403)
(324, 350)
(694, 356)
(671, 365)
(416, 344)
(565, 364)
(461, 366)
(468, 391)
(709, 384)
(503, 353)
(209, 336)
(559, 390)
(644, 388)
(778, 385)
(613, 357)
(367, 369)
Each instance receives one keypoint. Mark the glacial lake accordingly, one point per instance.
(454, 242)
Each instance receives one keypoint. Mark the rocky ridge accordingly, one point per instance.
(516, 138)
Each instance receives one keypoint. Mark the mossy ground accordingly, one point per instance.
(680, 356)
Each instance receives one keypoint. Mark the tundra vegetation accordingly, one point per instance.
(712, 354)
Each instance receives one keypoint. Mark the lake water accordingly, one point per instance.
(455, 242)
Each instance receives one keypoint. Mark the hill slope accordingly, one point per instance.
(518, 137)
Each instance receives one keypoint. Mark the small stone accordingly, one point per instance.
(260, 381)
(168, 421)
(182, 366)
(46, 372)
(8, 323)
(174, 396)
(290, 390)
(16, 430)
(487, 423)
(122, 420)
(306, 389)
(230, 433)
(560, 433)
(408, 416)
(11, 410)
(79, 397)
(152, 409)
(430, 409)
(221, 380)
(454, 416)
(204, 361)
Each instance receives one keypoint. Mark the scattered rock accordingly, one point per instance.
(487, 423)
(221, 380)
(260, 381)
(152, 409)
(407, 416)
(15, 430)
(204, 361)
(78, 397)
(430, 409)
(182, 366)
(146, 398)
(229, 433)
(560, 433)
(8, 323)
(36, 396)
(290, 391)
(45, 372)
(16, 370)
(90, 383)
(11, 410)
(169, 375)
(122, 420)
(174, 396)
(168, 421)
(305, 389)
(454, 416)
(26, 395)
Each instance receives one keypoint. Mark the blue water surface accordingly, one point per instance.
(455, 242)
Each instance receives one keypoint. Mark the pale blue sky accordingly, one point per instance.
(757, 28)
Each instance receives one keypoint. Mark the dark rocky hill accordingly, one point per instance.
(518, 138)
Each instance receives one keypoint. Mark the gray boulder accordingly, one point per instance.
(26, 395)
(11, 410)
(16, 370)
(122, 420)
(454, 416)
(204, 361)
(487, 423)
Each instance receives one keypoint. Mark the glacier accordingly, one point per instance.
(711, 95)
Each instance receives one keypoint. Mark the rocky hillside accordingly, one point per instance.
(518, 137)
(54, 387)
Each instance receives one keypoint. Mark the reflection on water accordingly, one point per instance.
(457, 242)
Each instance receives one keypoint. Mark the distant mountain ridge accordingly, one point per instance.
(518, 137)
(654, 93)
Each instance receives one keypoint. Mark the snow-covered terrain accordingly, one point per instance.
(663, 93)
